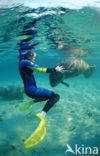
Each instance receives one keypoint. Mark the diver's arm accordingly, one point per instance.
(39, 69)
(42, 70)
(47, 70)
(51, 70)
(36, 67)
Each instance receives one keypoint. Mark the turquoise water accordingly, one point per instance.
(75, 119)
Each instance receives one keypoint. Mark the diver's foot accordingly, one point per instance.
(43, 113)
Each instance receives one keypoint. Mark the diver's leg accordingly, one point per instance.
(40, 99)
(50, 103)
(40, 94)
(49, 95)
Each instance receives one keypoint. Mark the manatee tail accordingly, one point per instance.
(89, 71)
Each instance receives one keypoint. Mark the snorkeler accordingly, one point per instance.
(26, 68)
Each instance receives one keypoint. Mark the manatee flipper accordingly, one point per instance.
(64, 83)
(38, 134)
(89, 71)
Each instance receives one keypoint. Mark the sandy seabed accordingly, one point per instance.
(75, 119)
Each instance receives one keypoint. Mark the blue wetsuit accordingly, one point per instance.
(26, 68)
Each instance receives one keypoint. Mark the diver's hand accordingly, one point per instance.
(59, 69)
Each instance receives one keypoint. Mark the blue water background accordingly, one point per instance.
(76, 117)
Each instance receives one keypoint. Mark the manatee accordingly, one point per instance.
(72, 67)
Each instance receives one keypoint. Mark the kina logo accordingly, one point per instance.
(82, 150)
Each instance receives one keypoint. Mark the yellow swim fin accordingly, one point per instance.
(38, 134)
(24, 106)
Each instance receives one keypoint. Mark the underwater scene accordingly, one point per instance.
(60, 35)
